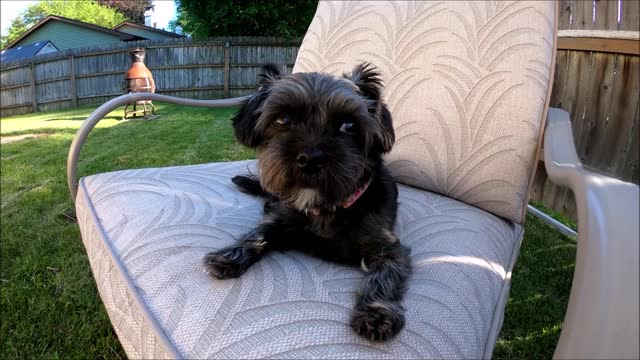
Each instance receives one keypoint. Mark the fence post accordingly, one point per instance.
(226, 69)
(72, 80)
(34, 94)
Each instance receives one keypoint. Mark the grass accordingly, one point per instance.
(49, 304)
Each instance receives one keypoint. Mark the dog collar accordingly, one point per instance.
(347, 203)
(355, 196)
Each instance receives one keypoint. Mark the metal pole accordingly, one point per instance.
(104, 109)
(552, 222)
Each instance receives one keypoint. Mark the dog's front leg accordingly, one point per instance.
(378, 313)
(233, 261)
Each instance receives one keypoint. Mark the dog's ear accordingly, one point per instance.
(387, 136)
(367, 79)
(244, 122)
(268, 74)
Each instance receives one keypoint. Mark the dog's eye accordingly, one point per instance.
(281, 121)
(347, 127)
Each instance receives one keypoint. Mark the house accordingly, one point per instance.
(146, 32)
(27, 51)
(57, 33)
(65, 33)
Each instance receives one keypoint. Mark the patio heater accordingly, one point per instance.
(139, 79)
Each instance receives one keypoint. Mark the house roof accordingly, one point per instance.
(24, 51)
(149, 28)
(121, 35)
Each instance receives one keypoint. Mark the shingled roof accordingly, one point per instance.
(24, 51)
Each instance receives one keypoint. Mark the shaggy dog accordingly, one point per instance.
(320, 141)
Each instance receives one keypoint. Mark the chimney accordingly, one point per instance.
(149, 16)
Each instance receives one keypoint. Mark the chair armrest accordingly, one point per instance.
(104, 109)
(602, 316)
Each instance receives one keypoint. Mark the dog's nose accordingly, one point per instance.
(302, 160)
(311, 159)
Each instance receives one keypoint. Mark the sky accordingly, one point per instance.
(165, 11)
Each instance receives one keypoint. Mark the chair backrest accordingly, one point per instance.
(467, 82)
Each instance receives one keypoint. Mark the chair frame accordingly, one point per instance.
(601, 318)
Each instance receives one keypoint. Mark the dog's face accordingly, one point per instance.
(315, 134)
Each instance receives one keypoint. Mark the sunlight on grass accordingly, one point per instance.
(57, 313)
(50, 122)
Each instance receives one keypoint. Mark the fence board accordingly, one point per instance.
(558, 97)
(558, 93)
(606, 15)
(51, 91)
(622, 125)
(262, 55)
(16, 101)
(95, 99)
(630, 15)
(582, 15)
(52, 70)
(114, 63)
(16, 92)
(72, 83)
(597, 106)
(105, 84)
(58, 104)
(15, 76)
(235, 92)
(629, 168)
(32, 79)
(565, 9)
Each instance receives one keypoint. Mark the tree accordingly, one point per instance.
(206, 18)
(132, 9)
(17, 28)
(87, 11)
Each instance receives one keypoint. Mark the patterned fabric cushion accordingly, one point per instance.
(466, 82)
(146, 232)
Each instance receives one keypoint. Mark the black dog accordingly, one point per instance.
(319, 142)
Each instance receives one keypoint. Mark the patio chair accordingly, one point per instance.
(468, 84)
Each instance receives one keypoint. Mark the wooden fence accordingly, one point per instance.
(212, 68)
(597, 80)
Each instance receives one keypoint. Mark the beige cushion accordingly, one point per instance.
(146, 232)
(466, 83)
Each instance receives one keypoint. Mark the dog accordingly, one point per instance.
(319, 141)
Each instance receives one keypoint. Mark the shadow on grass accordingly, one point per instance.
(83, 118)
(541, 284)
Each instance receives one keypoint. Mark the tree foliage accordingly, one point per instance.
(206, 18)
(87, 11)
(132, 9)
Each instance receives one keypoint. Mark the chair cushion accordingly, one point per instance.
(466, 82)
(146, 232)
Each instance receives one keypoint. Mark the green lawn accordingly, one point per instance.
(48, 302)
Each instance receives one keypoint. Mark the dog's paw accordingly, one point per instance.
(377, 320)
(224, 264)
